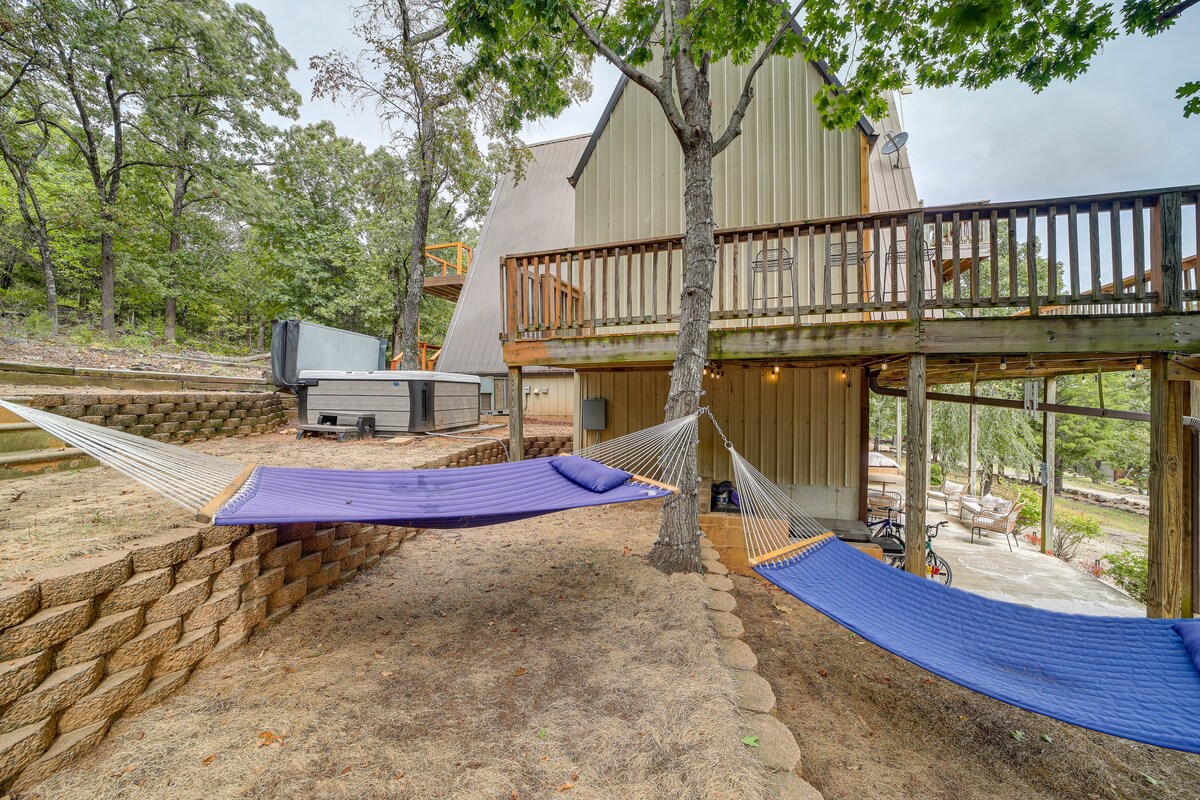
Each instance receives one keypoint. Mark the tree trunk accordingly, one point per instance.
(41, 235)
(411, 314)
(262, 335)
(176, 244)
(678, 545)
(108, 271)
(398, 284)
(35, 222)
(43, 243)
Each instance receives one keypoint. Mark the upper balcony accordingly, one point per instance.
(1098, 273)
(451, 262)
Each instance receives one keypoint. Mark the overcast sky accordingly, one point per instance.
(1119, 127)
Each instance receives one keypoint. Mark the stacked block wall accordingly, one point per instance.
(492, 452)
(184, 417)
(84, 643)
(115, 633)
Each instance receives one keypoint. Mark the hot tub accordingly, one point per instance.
(401, 401)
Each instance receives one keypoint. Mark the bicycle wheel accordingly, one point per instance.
(938, 569)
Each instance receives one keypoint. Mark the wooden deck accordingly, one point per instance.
(1091, 274)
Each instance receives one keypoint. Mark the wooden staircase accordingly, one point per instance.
(25, 449)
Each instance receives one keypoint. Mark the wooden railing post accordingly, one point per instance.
(915, 249)
(1166, 220)
(508, 294)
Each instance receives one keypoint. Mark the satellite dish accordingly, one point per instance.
(893, 144)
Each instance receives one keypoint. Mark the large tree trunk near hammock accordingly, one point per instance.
(678, 546)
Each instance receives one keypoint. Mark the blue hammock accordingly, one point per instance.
(466, 497)
(1129, 677)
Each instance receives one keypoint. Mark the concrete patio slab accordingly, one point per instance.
(1025, 575)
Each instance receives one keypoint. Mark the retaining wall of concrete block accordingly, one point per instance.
(111, 634)
(192, 416)
(493, 452)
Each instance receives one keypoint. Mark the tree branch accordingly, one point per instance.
(1174, 11)
(665, 98)
(734, 128)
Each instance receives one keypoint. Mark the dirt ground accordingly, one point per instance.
(103, 355)
(51, 518)
(874, 727)
(530, 660)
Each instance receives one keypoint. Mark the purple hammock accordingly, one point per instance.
(465, 497)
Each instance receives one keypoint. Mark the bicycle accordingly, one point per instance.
(890, 537)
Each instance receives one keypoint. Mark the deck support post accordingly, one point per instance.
(898, 439)
(1049, 427)
(1189, 558)
(1164, 589)
(972, 443)
(516, 414)
(864, 427)
(916, 466)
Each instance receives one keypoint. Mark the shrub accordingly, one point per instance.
(82, 335)
(141, 342)
(936, 475)
(38, 325)
(1072, 529)
(1031, 514)
(1128, 570)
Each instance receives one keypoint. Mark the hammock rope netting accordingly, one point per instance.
(1130, 677)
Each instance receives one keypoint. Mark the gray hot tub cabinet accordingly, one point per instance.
(401, 401)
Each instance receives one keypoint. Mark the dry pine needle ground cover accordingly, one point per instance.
(871, 726)
(530, 660)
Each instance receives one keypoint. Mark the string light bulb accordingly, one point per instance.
(843, 373)
(1140, 365)
(775, 370)
(883, 367)
(1003, 363)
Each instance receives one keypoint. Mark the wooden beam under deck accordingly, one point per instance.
(1014, 337)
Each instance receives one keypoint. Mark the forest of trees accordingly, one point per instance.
(1010, 441)
(156, 184)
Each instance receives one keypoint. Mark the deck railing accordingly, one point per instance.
(1091, 255)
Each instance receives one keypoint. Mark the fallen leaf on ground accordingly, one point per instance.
(519, 671)
(626, 551)
(386, 673)
(824, 673)
(398, 775)
(574, 776)
(209, 760)
(750, 741)
(346, 770)
(564, 787)
(266, 738)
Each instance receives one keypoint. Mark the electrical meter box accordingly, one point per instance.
(595, 416)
